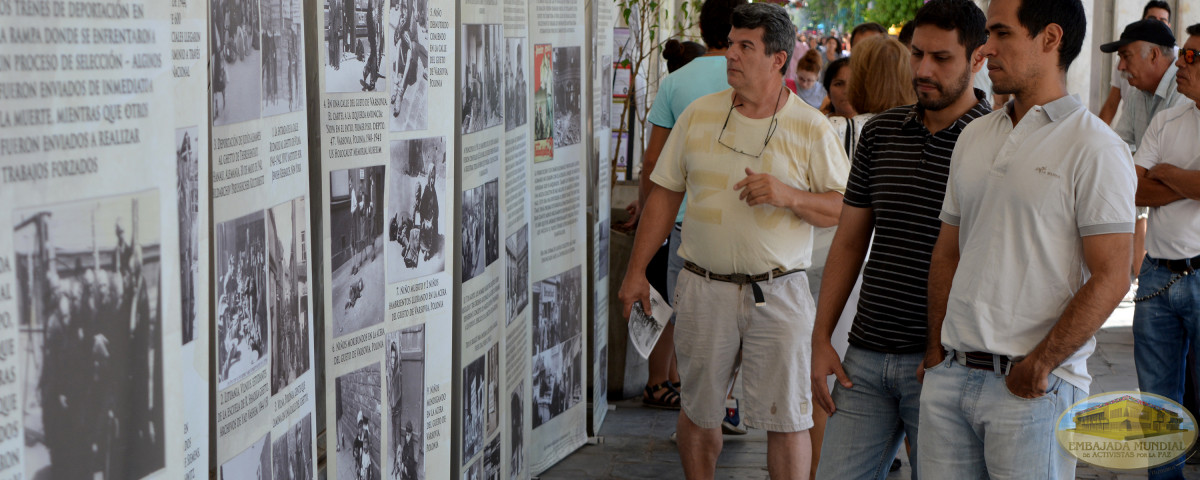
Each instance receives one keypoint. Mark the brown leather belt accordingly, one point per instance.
(1184, 266)
(738, 278)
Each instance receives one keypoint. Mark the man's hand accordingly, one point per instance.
(634, 288)
(763, 188)
(1161, 171)
(932, 359)
(634, 209)
(1025, 380)
(825, 362)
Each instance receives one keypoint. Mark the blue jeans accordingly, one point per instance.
(1163, 328)
(862, 437)
(973, 427)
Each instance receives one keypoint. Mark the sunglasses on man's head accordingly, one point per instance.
(1189, 55)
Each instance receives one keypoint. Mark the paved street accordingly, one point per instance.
(636, 444)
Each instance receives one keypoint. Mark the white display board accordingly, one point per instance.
(385, 77)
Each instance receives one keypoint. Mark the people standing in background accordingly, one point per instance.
(1119, 85)
(836, 82)
(806, 85)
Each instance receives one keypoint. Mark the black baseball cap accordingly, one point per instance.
(1148, 30)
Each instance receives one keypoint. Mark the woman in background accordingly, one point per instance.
(807, 87)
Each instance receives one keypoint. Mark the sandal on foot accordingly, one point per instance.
(662, 395)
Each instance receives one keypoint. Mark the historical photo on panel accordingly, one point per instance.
(287, 242)
(568, 85)
(481, 77)
(357, 407)
(89, 308)
(406, 396)
(409, 20)
(602, 248)
(254, 462)
(474, 472)
(493, 389)
(516, 84)
(241, 258)
(282, 56)
(354, 46)
(292, 453)
(473, 403)
(491, 460)
(557, 336)
(480, 228)
(416, 239)
(516, 247)
(516, 433)
(543, 102)
(187, 190)
(356, 220)
(606, 90)
(236, 60)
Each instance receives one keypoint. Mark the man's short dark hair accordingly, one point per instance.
(714, 22)
(906, 33)
(960, 15)
(1035, 15)
(1194, 29)
(1156, 4)
(779, 35)
(863, 28)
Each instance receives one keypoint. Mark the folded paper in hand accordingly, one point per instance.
(646, 326)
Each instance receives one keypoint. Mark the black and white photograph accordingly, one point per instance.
(473, 472)
(557, 336)
(516, 434)
(357, 399)
(409, 20)
(516, 84)
(647, 323)
(543, 102)
(516, 247)
(292, 453)
(568, 84)
(416, 238)
(187, 189)
(606, 90)
(481, 77)
(282, 56)
(493, 389)
(600, 388)
(406, 398)
(491, 460)
(241, 259)
(602, 248)
(480, 228)
(356, 223)
(354, 46)
(287, 236)
(253, 462)
(474, 407)
(236, 60)
(90, 337)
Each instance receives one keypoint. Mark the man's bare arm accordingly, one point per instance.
(657, 220)
(1109, 110)
(942, 265)
(1152, 192)
(658, 138)
(845, 260)
(1184, 182)
(818, 209)
(1107, 258)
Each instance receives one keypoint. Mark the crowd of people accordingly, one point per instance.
(987, 217)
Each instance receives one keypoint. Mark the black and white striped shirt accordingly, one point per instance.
(899, 170)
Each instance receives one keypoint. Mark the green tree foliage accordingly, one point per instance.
(891, 12)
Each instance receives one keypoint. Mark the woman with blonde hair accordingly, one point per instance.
(880, 79)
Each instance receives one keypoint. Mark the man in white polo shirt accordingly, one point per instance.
(760, 168)
(1167, 317)
(1032, 257)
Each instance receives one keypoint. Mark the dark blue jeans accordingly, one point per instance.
(1163, 328)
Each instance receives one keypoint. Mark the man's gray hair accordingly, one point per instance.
(1166, 50)
(779, 35)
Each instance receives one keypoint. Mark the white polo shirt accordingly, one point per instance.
(1173, 137)
(721, 232)
(1023, 199)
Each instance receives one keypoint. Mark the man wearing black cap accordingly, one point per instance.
(1147, 52)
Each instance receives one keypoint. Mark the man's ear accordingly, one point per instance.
(779, 60)
(1052, 37)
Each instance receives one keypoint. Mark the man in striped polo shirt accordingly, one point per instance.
(897, 183)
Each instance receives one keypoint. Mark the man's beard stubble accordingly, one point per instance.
(946, 97)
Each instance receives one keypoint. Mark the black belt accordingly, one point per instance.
(741, 278)
(1184, 266)
(983, 361)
